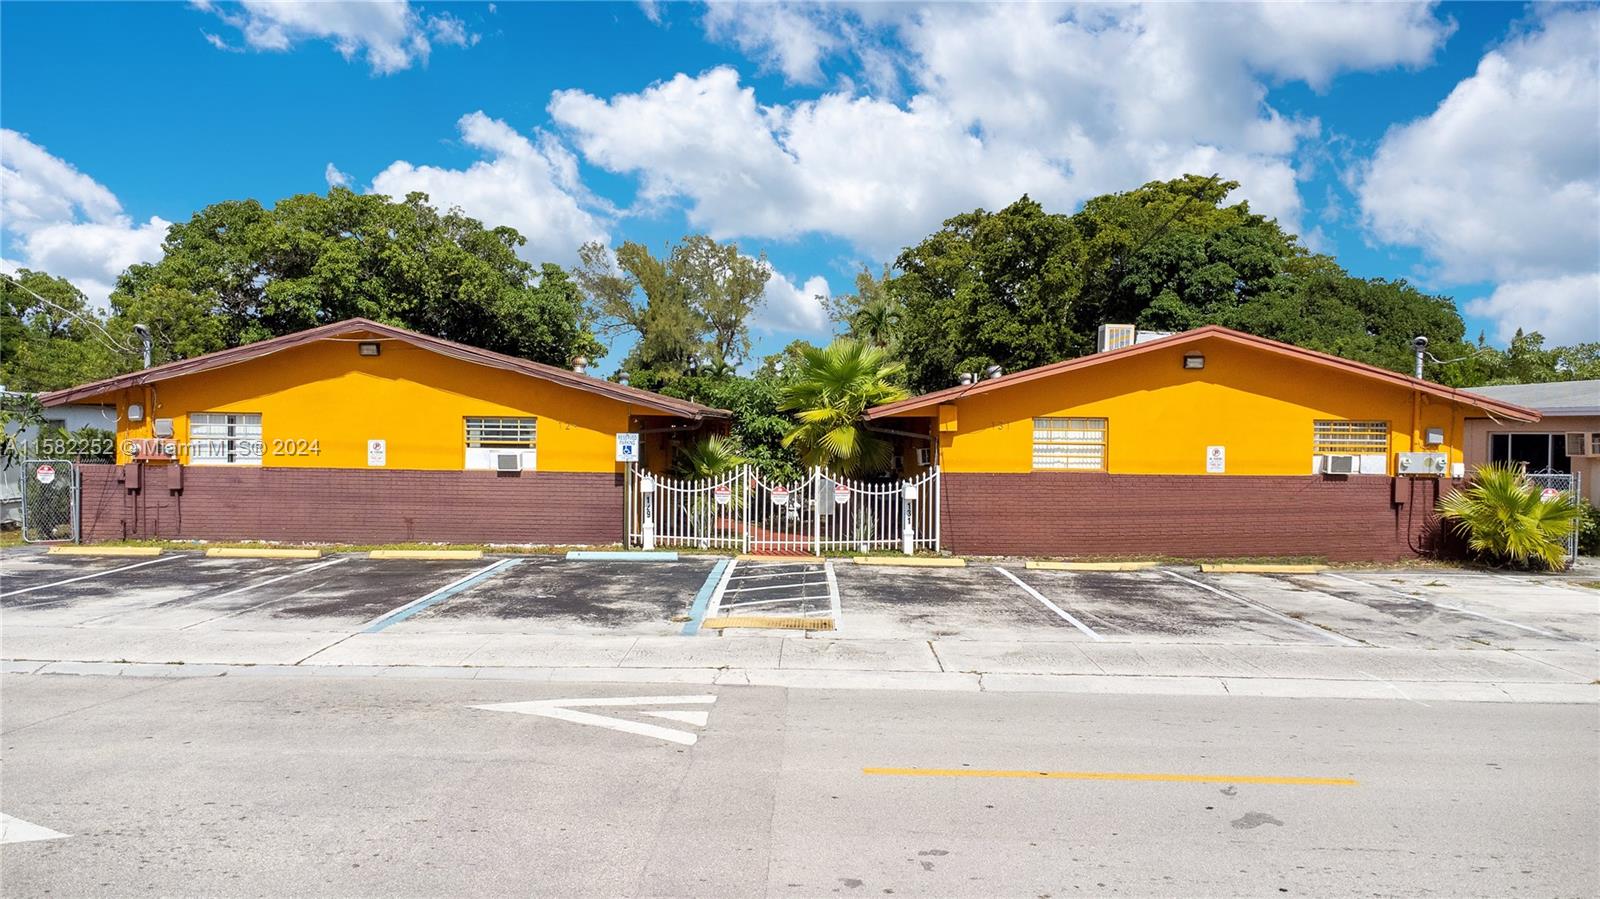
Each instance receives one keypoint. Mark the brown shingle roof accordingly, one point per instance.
(1215, 332)
(361, 326)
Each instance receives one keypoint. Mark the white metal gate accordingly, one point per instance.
(818, 514)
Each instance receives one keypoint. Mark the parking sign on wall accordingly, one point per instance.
(627, 447)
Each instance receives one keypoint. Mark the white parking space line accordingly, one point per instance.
(715, 606)
(1051, 606)
(770, 602)
(1324, 633)
(743, 590)
(238, 590)
(1446, 606)
(465, 582)
(85, 577)
(756, 577)
(833, 597)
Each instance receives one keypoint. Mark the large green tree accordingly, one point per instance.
(238, 271)
(50, 337)
(691, 303)
(988, 288)
(1023, 287)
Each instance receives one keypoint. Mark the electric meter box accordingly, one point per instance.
(1427, 465)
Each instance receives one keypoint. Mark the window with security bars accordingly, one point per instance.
(501, 433)
(225, 438)
(1337, 437)
(1069, 444)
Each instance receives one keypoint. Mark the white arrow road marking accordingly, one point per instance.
(698, 719)
(563, 710)
(16, 830)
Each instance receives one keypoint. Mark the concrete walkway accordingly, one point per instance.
(1418, 675)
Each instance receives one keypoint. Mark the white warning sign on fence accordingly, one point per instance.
(841, 494)
(723, 495)
(780, 496)
(45, 474)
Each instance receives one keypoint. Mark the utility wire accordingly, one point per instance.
(107, 338)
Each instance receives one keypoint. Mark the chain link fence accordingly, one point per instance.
(49, 501)
(1572, 486)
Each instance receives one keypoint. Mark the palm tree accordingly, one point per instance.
(710, 458)
(876, 322)
(1503, 516)
(829, 394)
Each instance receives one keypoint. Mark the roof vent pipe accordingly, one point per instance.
(580, 364)
(993, 371)
(623, 379)
(965, 379)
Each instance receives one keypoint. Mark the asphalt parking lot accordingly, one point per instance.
(1004, 601)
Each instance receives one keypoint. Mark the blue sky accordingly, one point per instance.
(1455, 145)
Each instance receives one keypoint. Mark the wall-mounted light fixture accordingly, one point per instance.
(1194, 360)
(369, 347)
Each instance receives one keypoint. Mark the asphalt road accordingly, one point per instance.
(300, 786)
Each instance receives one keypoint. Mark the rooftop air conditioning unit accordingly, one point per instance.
(1343, 463)
(1115, 337)
(507, 461)
(1578, 444)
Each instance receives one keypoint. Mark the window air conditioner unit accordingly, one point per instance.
(924, 456)
(1577, 444)
(1343, 463)
(507, 461)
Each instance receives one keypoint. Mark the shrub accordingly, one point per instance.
(1589, 530)
(1504, 518)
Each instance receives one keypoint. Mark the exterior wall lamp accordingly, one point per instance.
(368, 347)
(1194, 360)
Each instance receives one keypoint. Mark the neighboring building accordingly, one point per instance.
(1209, 443)
(1566, 438)
(68, 418)
(360, 431)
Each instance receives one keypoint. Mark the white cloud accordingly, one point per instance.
(1060, 103)
(790, 39)
(1565, 309)
(532, 187)
(1502, 181)
(390, 34)
(63, 222)
(334, 177)
(792, 309)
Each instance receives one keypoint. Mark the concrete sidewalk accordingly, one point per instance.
(1420, 675)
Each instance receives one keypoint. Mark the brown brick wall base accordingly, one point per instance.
(349, 506)
(1358, 518)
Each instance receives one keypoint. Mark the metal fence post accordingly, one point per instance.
(908, 530)
(816, 510)
(647, 493)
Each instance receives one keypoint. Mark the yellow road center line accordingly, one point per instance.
(1115, 775)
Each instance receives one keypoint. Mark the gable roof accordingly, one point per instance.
(1496, 407)
(361, 326)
